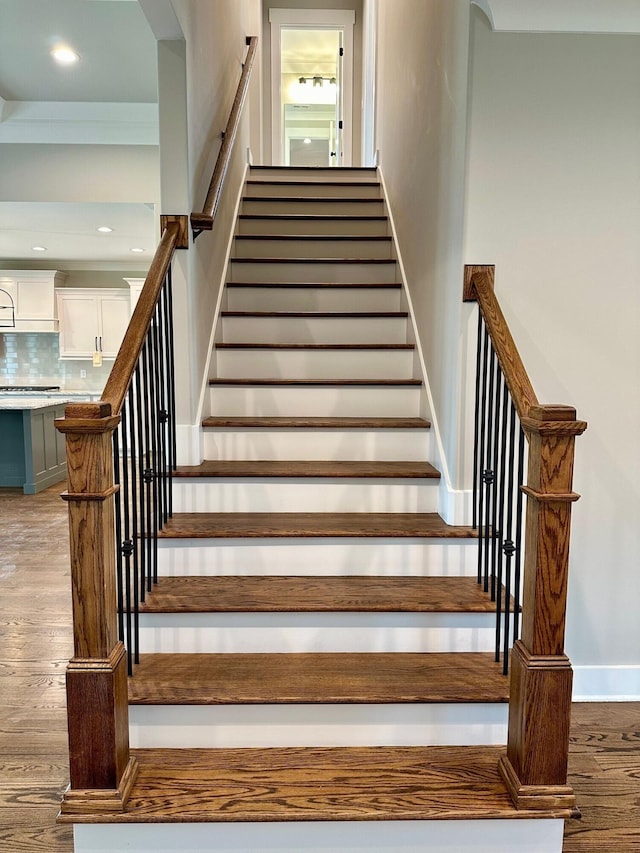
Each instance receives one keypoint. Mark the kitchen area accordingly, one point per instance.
(57, 345)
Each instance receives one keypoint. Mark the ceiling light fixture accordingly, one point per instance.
(104, 229)
(65, 55)
(307, 141)
(138, 250)
(39, 248)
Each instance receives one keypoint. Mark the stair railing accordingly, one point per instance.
(120, 454)
(507, 412)
(203, 221)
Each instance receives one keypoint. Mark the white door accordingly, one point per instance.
(312, 86)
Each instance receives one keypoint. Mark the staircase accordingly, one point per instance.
(317, 668)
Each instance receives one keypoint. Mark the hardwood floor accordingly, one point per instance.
(35, 637)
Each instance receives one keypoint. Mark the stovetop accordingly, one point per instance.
(22, 388)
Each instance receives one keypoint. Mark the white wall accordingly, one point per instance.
(80, 173)
(421, 132)
(554, 202)
(215, 32)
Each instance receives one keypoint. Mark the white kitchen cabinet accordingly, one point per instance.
(92, 320)
(29, 304)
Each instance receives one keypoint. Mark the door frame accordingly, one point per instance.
(320, 19)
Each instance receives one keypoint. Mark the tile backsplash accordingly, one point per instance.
(33, 358)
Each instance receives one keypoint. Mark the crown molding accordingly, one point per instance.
(563, 16)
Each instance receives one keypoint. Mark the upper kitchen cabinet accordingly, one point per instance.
(28, 302)
(92, 320)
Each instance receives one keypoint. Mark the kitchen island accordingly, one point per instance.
(32, 451)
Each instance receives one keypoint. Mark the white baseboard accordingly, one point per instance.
(189, 444)
(606, 683)
(455, 505)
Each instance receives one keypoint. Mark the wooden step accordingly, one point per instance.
(320, 383)
(314, 347)
(323, 315)
(294, 469)
(311, 217)
(317, 784)
(320, 238)
(315, 423)
(238, 525)
(237, 594)
(333, 285)
(223, 679)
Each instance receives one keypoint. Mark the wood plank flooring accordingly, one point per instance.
(35, 638)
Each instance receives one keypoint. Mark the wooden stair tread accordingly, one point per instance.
(322, 238)
(344, 594)
(321, 383)
(315, 198)
(313, 678)
(238, 525)
(314, 347)
(331, 285)
(299, 468)
(331, 315)
(318, 783)
(295, 182)
(243, 422)
(305, 260)
(314, 217)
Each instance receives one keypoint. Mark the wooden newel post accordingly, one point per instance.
(101, 768)
(535, 768)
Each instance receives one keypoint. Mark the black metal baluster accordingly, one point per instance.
(501, 508)
(495, 531)
(163, 414)
(171, 387)
(148, 465)
(156, 516)
(509, 547)
(135, 541)
(488, 473)
(141, 541)
(118, 526)
(519, 537)
(476, 425)
(483, 424)
(125, 544)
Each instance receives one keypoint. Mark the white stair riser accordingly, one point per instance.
(314, 330)
(318, 557)
(313, 401)
(322, 175)
(267, 247)
(350, 444)
(253, 494)
(313, 189)
(368, 227)
(315, 364)
(441, 836)
(316, 272)
(287, 633)
(320, 298)
(247, 726)
(313, 206)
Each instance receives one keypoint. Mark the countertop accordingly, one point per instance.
(12, 403)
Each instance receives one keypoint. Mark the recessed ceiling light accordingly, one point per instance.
(104, 229)
(64, 55)
(138, 250)
(39, 248)
(307, 141)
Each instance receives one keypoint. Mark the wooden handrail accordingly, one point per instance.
(116, 386)
(535, 766)
(203, 221)
(479, 287)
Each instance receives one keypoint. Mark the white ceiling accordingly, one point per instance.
(106, 92)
